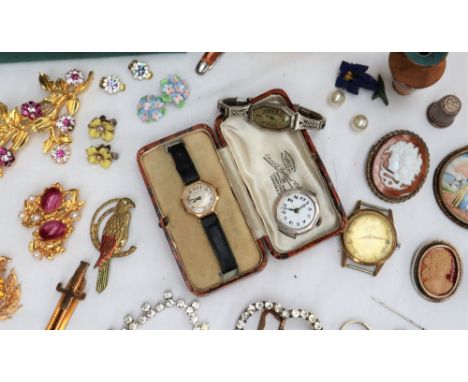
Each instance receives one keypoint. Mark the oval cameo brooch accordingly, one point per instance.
(451, 186)
(436, 271)
(397, 166)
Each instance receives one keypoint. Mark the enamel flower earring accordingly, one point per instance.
(151, 108)
(101, 128)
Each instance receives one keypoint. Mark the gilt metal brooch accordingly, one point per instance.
(114, 235)
(10, 291)
(52, 214)
(54, 115)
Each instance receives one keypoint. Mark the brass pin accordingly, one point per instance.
(402, 316)
(71, 295)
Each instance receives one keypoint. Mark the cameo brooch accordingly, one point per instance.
(436, 271)
(397, 166)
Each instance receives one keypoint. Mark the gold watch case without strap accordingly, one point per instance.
(199, 198)
(369, 238)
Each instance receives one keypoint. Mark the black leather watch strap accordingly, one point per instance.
(183, 162)
(220, 245)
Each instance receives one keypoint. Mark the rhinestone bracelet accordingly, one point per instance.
(278, 311)
(149, 312)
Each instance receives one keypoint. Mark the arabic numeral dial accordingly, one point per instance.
(296, 210)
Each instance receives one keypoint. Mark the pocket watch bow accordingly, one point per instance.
(54, 114)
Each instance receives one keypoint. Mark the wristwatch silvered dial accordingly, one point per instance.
(297, 211)
(199, 198)
(272, 114)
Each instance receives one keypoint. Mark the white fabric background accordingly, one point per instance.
(313, 279)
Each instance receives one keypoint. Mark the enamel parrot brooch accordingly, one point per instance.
(114, 235)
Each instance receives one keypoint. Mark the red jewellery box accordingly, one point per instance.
(221, 196)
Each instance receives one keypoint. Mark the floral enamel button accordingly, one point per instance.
(151, 108)
(101, 155)
(397, 166)
(101, 127)
(175, 90)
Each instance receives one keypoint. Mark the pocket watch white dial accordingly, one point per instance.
(199, 198)
(297, 211)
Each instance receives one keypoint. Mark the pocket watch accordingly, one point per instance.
(297, 211)
(369, 238)
(199, 198)
(274, 114)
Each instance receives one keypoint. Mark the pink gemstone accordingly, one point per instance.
(51, 200)
(52, 230)
(66, 122)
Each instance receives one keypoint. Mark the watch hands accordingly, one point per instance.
(305, 204)
(194, 200)
(297, 209)
(372, 237)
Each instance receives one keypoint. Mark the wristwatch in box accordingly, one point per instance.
(249, 178)
(272, 115)
(199, 198)
(297, 212)
(369, 239)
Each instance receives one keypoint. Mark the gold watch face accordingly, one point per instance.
(369, 237)
(199, 198)
(271, 117)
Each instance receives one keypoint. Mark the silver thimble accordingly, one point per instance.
(443, 112)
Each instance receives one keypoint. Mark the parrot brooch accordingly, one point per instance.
(114, 235)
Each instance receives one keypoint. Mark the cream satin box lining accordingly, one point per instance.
(250, 180)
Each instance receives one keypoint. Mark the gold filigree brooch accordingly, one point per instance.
(10, 291)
